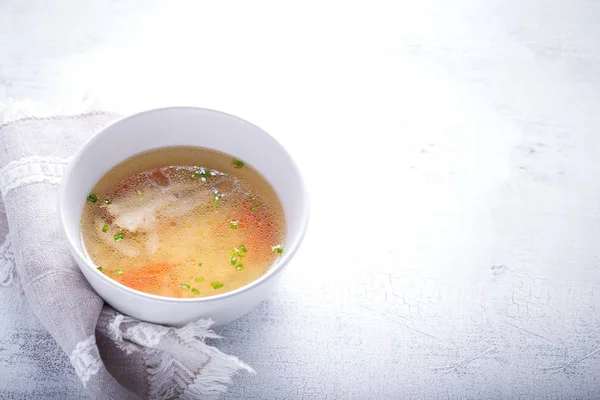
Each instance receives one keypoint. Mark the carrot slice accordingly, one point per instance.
(155, 279)
(261, 224)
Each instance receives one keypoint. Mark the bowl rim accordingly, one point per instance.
(277, 267)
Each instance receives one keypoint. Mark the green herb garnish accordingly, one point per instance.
(105, 228)
(218, 195)
(196, 291)
(119, 271)
(199, 264)
(237, 253)
(239, 267)
(107, 202)
(199, 279)
(254, 208)
(118, 236)
(99, 269)
(243, 249)
(233, 224)
(201, 173)
(237, 163)
(184, 286)
(277, 249)
(92, 197)
(234, 260)
(216, 285)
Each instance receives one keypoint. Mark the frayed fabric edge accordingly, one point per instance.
(207, 382)
(215, 377)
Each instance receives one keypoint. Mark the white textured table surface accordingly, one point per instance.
(452, 152)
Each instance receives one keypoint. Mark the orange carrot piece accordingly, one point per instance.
(151, 279)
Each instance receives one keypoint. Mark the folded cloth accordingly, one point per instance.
(115, 356)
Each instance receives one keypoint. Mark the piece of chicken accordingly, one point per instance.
(108, 238)
(138, 211)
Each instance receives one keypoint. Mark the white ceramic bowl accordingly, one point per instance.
(182, 126)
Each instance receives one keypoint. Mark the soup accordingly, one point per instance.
(183, 222)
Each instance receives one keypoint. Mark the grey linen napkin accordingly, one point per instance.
(115, 356)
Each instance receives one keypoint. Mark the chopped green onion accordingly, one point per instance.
(196, 291)
(92, 197)
(118, 236)
(277, 249)
(99, 269)
(216, 285)
(107, 202)
(234, 260)
(105, 228)
(199, 279)
(237, 163)
(199, 264)
(119, 271)
(239, 267)
(201, 173)
(184, 286)
(218, 195)
(243, 248)
(254, 208)
(233, 224)
(236, 253)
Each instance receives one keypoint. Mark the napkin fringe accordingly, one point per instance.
(166, 351)
(209, 382)
(212, 379)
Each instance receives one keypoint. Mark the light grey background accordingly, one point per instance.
(452, 153)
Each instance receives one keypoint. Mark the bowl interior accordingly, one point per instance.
(184, 127)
